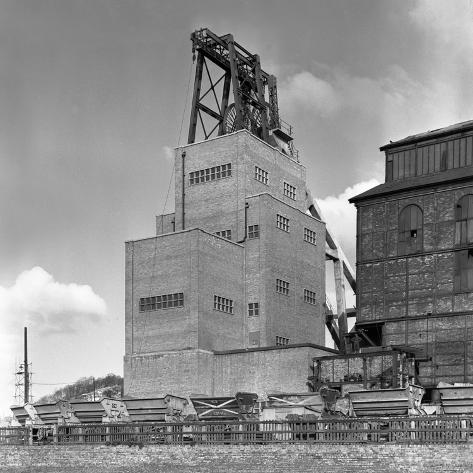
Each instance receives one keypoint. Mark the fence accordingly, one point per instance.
(14, 435)
(374, 430)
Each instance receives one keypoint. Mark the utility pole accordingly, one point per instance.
(26, 371)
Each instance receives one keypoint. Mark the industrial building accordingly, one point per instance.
(415, 254)
(230, 293)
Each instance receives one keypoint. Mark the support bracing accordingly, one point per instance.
(249, 98)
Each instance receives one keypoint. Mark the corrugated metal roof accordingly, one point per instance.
(428, 135)
(443, 177)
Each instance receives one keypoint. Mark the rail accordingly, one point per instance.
(426, 429)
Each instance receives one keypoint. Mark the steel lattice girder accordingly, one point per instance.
(243, 74)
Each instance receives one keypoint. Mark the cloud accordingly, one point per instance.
(340, 216)
(445, 22)
(392, 104)
(37, 300)
(61, 320)
(305, 90)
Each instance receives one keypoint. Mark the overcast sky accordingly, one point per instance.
(92, 94)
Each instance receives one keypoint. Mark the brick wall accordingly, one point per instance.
(200, 266)
(240, 459)
(414, 295)
(221, 374)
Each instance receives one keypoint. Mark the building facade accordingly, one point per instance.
(239, 265)
(415, 253)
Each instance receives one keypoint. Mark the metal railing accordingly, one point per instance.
(426, 429)
(14, 435)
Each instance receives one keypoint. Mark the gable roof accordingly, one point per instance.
(431, 134)
(410, 183)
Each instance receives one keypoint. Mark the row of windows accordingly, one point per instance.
(225, 234)
(429, 159)
(210, 174)
(223, 304)
(410, 236)
(282, 222)
(166, 301)
(262, 176)
(411, 233)
(281, 341)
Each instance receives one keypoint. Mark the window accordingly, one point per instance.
(289, 191)
(167, 301)
(463, 281)
(410, 230)
(464, 220)
(310, 297)
(282, 341)
(225, 234)
(253, 309)
(428, 159)
(310, 236)
(282, 287)
(254, 338)
(261, 175)
(210, 174)
(282, 222)
(253, 231)
(223, 305)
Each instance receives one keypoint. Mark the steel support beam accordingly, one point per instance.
(196, 97)
(260, 93)
(225, 96)
(236, 89)
(341, 304)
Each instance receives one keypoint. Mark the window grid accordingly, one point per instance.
(253, 231)
(310, 236)
(261, 175)
(223, 304)
(282, 222)
(429, 159)
(210, 174)
(289, 191)
(282, 287)
(166, 301)
(281, 341)
(225, 234)
(253, 309)
(310, 297)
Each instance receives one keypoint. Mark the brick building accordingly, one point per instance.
(415, 252)
(237, 268)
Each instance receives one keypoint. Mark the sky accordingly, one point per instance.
(93, 96)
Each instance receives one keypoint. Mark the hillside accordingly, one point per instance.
(110, 385)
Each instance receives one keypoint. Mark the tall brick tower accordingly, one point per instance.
(239, 265)
(230, 293)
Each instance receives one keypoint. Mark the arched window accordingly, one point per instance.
(463, 281)
(410, 230)
(464, 220)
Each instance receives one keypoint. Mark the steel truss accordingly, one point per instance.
(241, 75)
